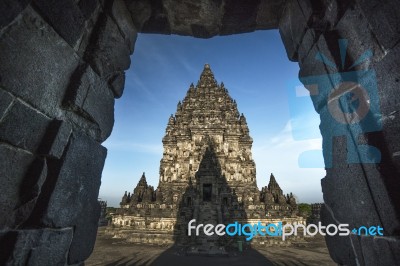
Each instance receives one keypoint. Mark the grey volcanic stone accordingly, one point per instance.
(341, 187)
(12, 178)
(9, 9)
(108, 52)
(383, 18)
(202, 18)
(239, 16)
(19, 117)
(340, 247)
(269, 13)
(292, 27)
(89, 97)
(124, 21)
(56, 139)
(88, 7)
(5, 102)
(117, 84)
(64, 16)
(30, 190)
(38, 75)
(72, 198)
(378, 250)
(39, 247)
(141, 12)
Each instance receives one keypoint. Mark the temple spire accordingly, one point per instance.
(207, 77)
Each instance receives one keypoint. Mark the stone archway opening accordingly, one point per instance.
(62, 65)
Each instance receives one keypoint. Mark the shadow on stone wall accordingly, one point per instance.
(209, 200)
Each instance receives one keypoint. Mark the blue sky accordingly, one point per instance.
(255, 70)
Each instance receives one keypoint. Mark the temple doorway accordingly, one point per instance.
(207, 189)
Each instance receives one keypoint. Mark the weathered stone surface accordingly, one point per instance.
(28, 53)
(12, 179)
(377, 250)
(88, 7)
(292, 27)
(23, 127)
(124, 21)
(353, 26)
(347, 191)
(117, 84)
(85, 232)
(71, 198)
(80, 176)
(5, 103)
(141, 12)
(64, 16)
(35, 247)
(268, 14)
(383, 18)
(89, 97)
(340, 247)
(239, 16)
(56, 139)
(108, 52)
(203, 18)
(9, 9)
(29, 191)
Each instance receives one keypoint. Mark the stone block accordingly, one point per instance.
(89, 97)
(88, 7)
(124, 21)
(383, 18)
(307, 44)
(268, 14)
(23, 127)
(117, 84)
(346, 191)
(158, 19)
(64, 16)
(35, 247)
(28, 53)
(70, 199)
(56, 139)
(29, 191)
(239, 16)
(292, 27)
(140, 12)
(379, 250)
(108, 53)
(5, 102)
(12, 178)
(10, 9)
(387, 70)
(198, 18)
(353, 26)
(340, 247)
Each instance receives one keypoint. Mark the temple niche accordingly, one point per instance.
(206, 173)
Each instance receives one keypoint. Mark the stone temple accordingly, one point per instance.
(206, 173)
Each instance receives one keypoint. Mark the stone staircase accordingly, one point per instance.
(207, 245)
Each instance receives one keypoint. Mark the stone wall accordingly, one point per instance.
(160, 231)
(62, 64)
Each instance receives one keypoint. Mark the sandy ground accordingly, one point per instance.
(110, 252)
